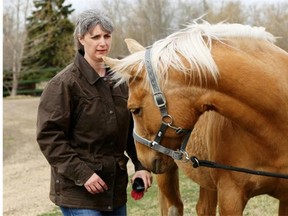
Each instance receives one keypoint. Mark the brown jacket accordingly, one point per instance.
(82, 128)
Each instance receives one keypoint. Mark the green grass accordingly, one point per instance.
(258, 206)
(148, 206)
(56, 212)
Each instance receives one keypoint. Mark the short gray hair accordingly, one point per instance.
(86, 22)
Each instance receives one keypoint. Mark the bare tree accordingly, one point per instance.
(144, 20)
(151, 20)
(229, 11)
(277, 22)
(14, 36)
(189, 10)
(117, 11)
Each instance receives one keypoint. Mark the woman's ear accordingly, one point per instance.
(81, 39)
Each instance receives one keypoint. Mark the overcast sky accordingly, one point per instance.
(79, 5)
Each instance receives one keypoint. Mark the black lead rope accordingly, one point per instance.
(197, 163)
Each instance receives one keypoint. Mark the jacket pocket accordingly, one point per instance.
(63, 184)
(98, 166)
(106, 176)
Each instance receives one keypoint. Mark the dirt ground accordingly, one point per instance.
(26, 172)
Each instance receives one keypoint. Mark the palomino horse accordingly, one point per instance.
(234, 77)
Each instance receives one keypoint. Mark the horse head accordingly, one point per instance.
(146, 114)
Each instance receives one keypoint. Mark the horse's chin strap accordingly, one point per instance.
(167, 121)
(176, 155)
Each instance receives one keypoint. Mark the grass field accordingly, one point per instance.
(149, 206)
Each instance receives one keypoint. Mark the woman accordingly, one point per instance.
(82, 128)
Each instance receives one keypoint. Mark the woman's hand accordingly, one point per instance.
(95, 184)
(145, 176)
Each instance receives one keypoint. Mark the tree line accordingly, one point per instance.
(38, 35)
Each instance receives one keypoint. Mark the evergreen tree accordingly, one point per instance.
(49, 42)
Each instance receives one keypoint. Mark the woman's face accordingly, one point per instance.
(96, 44)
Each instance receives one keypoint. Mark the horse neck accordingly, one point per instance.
(250, 92)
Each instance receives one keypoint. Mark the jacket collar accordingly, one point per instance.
(85, 69)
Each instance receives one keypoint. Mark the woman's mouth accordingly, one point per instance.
(101, 51)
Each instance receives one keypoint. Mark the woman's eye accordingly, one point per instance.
(95, 38)
(135, 111)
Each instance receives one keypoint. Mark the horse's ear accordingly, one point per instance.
(133, 45)
(110, 61)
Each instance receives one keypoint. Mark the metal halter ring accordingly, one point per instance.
(169, 117)
(185, 157)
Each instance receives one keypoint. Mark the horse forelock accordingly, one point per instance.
(123, 70)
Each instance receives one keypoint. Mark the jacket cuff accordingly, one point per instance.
(83, 177)
(79, 175)
(138, 166)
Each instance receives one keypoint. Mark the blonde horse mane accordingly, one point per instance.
(189, 51)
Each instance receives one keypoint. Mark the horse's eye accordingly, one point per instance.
(135, 111)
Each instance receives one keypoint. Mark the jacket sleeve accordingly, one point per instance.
(131, 149)
(53, 123)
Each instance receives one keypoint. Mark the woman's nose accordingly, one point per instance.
(102, 41)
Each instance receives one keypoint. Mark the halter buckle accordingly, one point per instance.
(159, 99)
